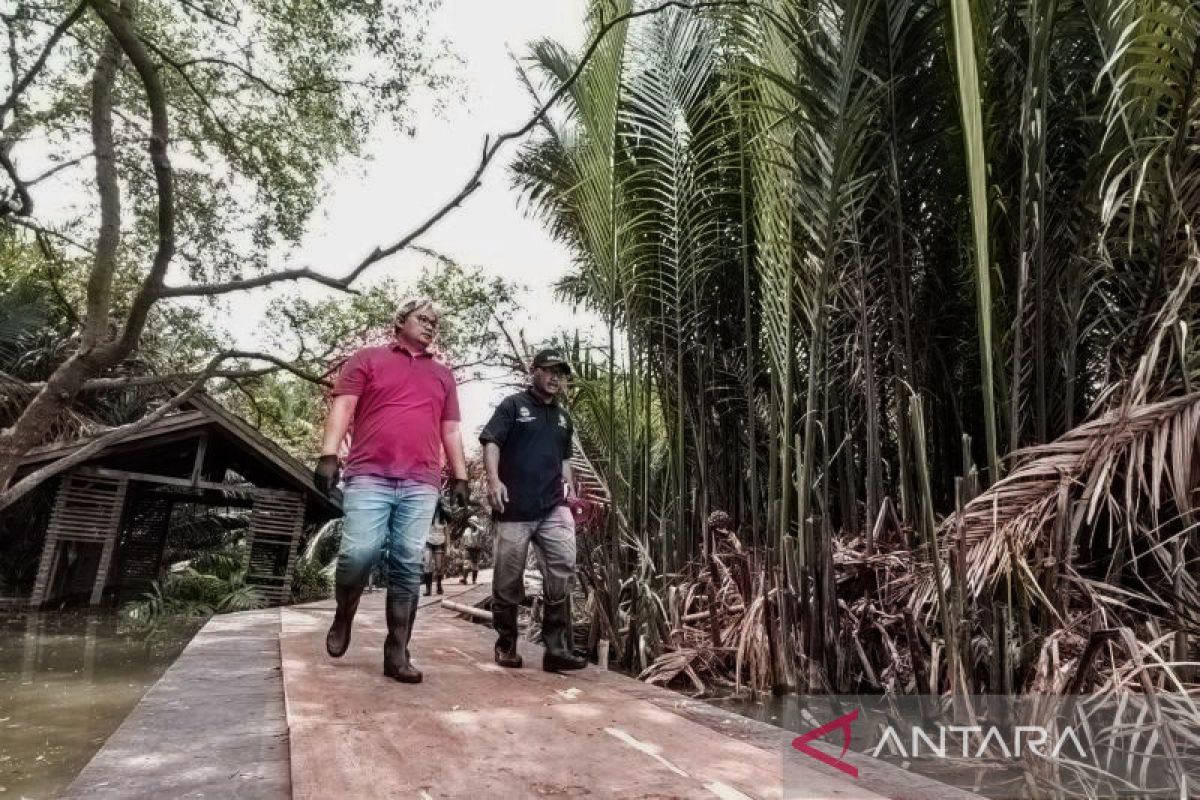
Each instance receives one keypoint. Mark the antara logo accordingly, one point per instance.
(976, 741)
(842, 723)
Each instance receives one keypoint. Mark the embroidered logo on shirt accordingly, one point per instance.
(525, 415)
(562, 421)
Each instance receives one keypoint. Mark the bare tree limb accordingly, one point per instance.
(203, 98)
(211, 289)
(57, 168)
(287, 366)
(135, 381)
(491, 147)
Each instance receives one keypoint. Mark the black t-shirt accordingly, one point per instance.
(534, 439)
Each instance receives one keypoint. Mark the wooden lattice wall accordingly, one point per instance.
(276, 521)
(87, 509)
(140, 544)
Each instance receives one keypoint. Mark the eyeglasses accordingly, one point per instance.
(432, 322)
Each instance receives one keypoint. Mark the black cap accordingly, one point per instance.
(551, 358)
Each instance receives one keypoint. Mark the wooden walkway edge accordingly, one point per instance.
(213, 725)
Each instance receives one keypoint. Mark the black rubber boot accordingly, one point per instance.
(504, 620)
(465, 575)
(439, 584)
(556, 636)
(338, 638)
(474, 576)
(396, 662)
(428, 579)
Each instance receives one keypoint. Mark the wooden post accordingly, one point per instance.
(106, 557)
(46, 568)
(198, 464)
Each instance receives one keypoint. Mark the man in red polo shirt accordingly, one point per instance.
(403, 405)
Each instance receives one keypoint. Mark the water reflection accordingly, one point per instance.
(67, 680)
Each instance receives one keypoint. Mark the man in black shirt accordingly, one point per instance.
(526, 452)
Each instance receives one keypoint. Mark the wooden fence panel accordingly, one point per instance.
(86, 509)
(276, 522)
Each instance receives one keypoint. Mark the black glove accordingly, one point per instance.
(325, 476)
(460, 492)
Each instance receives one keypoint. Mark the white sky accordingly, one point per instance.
(407, 178)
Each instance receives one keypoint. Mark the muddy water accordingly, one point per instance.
(67, 680)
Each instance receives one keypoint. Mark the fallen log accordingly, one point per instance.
(471, 611)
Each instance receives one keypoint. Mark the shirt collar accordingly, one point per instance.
(400, 347)
(537, 400)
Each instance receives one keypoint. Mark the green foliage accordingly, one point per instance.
(213, 584)
(800, 216)
(310, 581)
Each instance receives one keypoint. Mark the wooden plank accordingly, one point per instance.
(101, 579)
(198, 464)
(276, 521)
(165, 480)
(106, 556)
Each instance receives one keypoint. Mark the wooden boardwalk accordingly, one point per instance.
(213, 725)
(227, 721)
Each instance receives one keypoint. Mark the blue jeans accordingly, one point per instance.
(388, 517)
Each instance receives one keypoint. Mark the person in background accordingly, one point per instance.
(526, 453)
(435, 549)
(472, 545)
(403, 405)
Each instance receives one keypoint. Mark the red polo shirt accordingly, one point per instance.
(403, 399)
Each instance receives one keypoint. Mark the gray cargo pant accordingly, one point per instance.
(553, 538)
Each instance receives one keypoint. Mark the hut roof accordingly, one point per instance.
(160, 449)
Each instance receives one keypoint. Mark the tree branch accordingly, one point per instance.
(21, 85)
(33, 479)
(104, 262)
(210, 289)
(122, 29)
(25, 203)
(52, 260)
(57, 168)
(204, 11)
(50, 232)
(491, 147)
(212, 112)
(130, 381)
